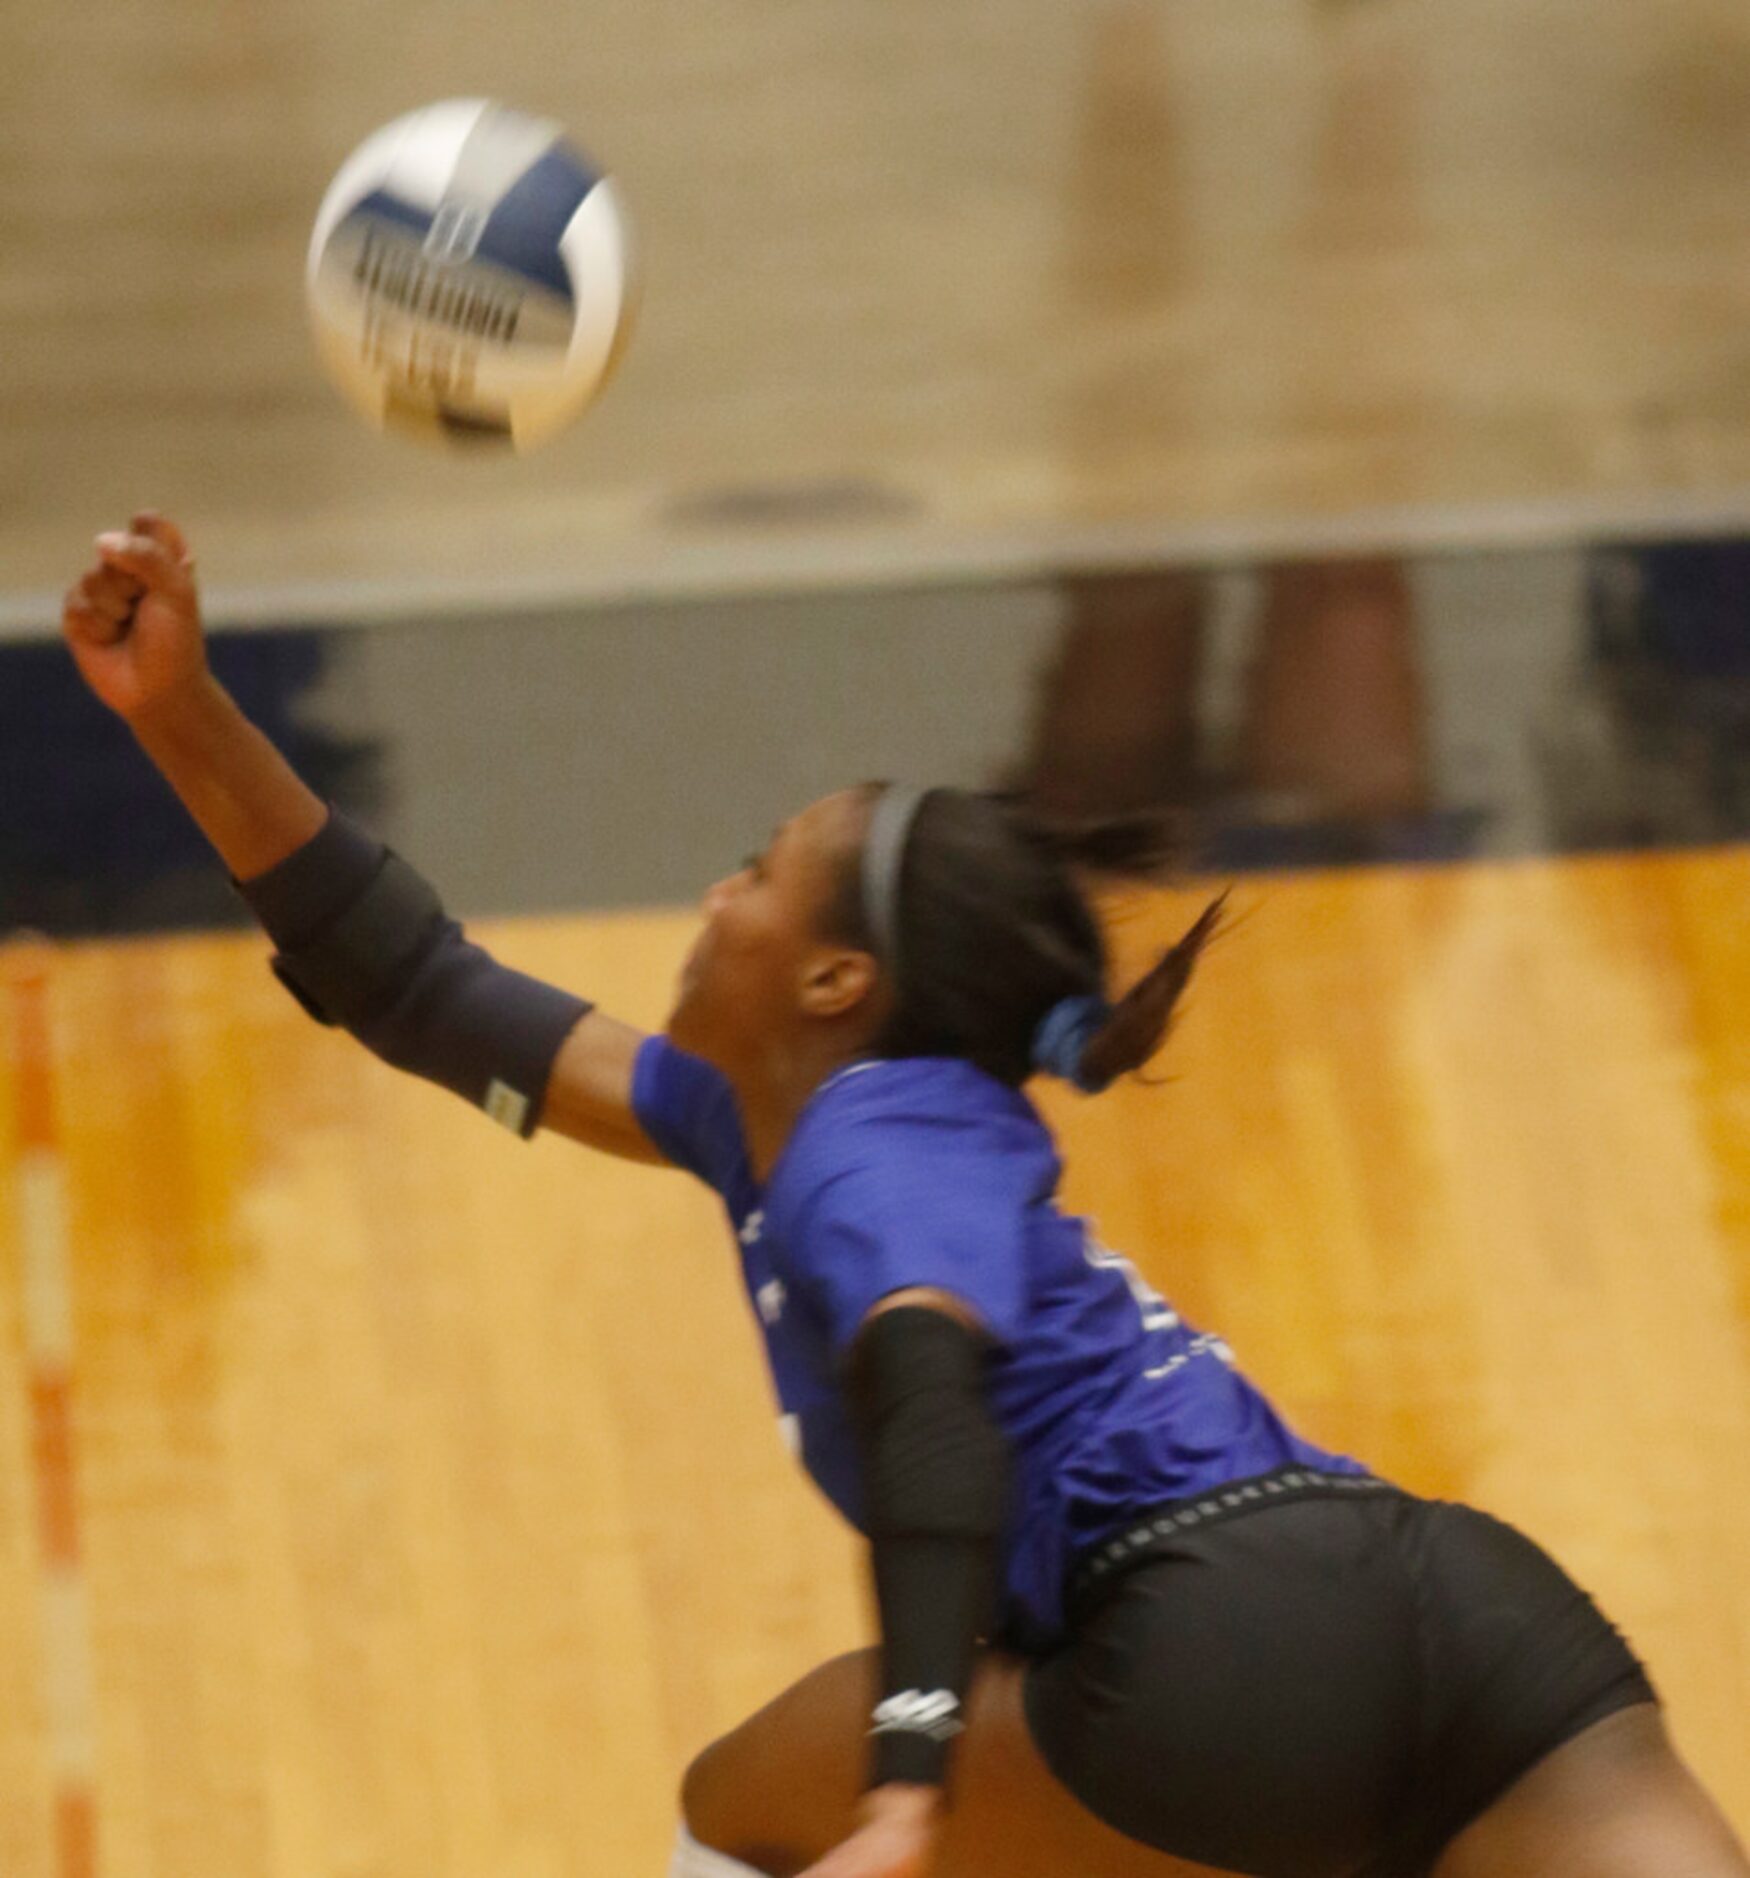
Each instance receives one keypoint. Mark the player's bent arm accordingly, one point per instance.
(302, 873)
(362, 940)
(286, 854)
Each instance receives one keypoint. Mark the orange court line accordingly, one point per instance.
(42, 1239)
(32, 1059)
(51, 1400)
(75, 1832)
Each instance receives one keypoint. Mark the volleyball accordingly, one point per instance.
(470, 277)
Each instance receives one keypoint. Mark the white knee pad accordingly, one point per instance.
(693, 1860)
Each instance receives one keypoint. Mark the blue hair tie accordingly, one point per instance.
(1065, 1032)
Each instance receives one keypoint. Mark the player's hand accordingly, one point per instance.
(895, 1839)
(132, 619)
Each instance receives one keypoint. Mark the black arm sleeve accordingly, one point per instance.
(296, 899)
(364, 942)
(936, 1481)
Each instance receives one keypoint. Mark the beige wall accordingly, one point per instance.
(1030, 271)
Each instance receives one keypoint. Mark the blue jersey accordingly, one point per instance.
(926, 1171)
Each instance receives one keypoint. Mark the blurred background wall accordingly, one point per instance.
(937, 284)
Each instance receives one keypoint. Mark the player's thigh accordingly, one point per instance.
(1614, 1802)
(781, 1790)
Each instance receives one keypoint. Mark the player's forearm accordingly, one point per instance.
(936, 1481)
(246, 798)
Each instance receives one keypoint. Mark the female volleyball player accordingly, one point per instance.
(1131, 1622)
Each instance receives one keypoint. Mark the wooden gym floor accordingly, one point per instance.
(418, 1507)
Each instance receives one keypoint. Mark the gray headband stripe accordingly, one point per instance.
(883, 856)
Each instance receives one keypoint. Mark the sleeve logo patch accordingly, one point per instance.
(506, 1106)
(914, 1713)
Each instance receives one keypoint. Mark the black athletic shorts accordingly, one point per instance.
(1298, 1677)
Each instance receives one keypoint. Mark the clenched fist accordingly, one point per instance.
(133, 619)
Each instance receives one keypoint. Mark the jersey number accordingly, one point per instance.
(1157, 1313)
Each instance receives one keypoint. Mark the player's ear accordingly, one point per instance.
(836, 980)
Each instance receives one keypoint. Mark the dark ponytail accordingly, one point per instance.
(996, 951)
(1143, 1018)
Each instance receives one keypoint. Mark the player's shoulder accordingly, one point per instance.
(662, 1071)
(688, 1108)
(909, 1122)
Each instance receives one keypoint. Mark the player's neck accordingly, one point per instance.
(772, 1094)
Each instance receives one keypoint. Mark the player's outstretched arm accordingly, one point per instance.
(363, 941)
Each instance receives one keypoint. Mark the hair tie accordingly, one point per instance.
(1063, 1035)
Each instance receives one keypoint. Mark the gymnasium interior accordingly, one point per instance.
(1324, 421)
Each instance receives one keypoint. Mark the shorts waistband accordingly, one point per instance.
(1153, 1530)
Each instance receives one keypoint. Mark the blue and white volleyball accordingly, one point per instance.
(470, 276)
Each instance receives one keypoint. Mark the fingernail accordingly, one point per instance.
(112, 538)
